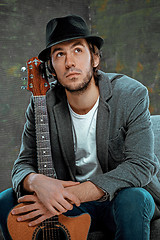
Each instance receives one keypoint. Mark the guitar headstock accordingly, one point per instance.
(37, 83)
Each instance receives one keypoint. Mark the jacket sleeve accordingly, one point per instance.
(27, 160)
(139, 164)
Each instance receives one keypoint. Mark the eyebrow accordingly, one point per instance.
(56, 49)
(61, 49)
(77, 43)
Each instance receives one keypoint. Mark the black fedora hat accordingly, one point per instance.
(64, 29)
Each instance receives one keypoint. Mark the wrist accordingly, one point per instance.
(28, 182)
(87, 191)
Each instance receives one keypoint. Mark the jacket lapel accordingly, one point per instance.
(64, 127)
(103, 121)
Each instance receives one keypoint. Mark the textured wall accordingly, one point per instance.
(22, 36)
(131, 30)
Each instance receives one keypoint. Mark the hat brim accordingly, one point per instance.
(98, 41)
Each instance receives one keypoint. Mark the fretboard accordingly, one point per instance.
(44, 157)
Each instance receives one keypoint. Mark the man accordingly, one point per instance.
(101, 142)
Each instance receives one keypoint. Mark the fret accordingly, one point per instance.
(43, 143)
(45, 134)
(45, 165)
(43, 137)
(41, 110)
(41, 127)
(45, 161)
(44, 151)
(49, 170)
(42, 120)
(43, 157)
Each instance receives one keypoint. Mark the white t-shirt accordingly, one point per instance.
(84, 135)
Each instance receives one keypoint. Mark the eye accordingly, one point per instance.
(59, 54)
(78, 50)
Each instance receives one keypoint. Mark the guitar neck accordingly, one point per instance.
(44, 157)
(38, 85)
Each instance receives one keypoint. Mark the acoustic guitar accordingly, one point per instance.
(57, 227)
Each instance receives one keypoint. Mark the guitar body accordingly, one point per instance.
(70, 228)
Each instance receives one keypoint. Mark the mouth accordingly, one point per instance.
(72, 74)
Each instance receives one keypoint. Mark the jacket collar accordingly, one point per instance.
(105, 86)
(64, 128)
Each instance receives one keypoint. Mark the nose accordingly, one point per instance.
(69, 61)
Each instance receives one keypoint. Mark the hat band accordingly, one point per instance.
(66, 38)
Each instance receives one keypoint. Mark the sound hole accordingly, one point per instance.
(51, 234)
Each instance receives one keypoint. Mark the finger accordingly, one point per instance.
(39, 220)
(55, 208)
(63, 206)
(66, 205)
(29, 216)
(24, 209)
(69, 183)
(27, 198)
(72, 198)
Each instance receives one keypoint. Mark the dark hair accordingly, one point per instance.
(93, 50)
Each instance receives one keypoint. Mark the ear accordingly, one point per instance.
(96, 60)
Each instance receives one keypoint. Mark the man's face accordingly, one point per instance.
(71, 61)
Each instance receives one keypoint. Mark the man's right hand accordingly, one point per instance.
(52, 193)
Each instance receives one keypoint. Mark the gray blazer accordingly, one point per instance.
(125, 143)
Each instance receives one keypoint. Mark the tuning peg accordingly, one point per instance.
(53, 84)
(23, 69)
(23, 87)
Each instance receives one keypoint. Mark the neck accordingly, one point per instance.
(82, 103)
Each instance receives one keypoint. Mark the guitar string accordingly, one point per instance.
(45, 229)
(38, 149)
(49, 231)
(49, 221)
(41, 169)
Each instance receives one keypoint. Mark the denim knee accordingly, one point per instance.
(134, 199)
(133, 210)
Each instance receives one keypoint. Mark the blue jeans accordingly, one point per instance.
(127, 216)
